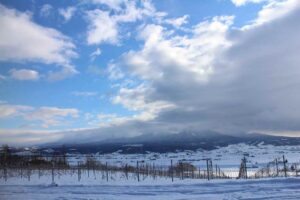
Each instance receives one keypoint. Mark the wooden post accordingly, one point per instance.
(88, 168)
(106, 168)
(207, 169)
(284, 165)
(78, 171)
(172, 170)
(28, 173)
(5, 172)
(52, 173)
(21, 171)
(138, 171)
(277, 171)
(126, 171)
(193, 173)
(211, 169)
(181, 166)
(246, 173)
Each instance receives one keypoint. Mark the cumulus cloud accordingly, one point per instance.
(24, 74)
(36, 43)
(176, 54)
(218, 78)
(211, 77)
(274, 9)
(135, 99)
(104, 27)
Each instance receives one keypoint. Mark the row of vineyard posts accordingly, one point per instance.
(24, 166)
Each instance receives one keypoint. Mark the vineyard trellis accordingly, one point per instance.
(57, 165)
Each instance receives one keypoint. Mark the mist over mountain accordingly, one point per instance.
(161, 143)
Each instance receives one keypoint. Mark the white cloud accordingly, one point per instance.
(51, 116)
(163, 54)
(104, 27)
(7, 110)
(135, 99)
(67, 13)
(95, 54)
(244, 2)
(217, 78)
(168, 63)
(24, 74)
(21, 137)
(36, 43)
(178, 22)
(46, 10)
(273, 10)
(44, 116)
(209, 77)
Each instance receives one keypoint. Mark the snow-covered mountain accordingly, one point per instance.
(207, 140)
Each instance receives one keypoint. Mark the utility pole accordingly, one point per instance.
(284, 165)
(243, 169)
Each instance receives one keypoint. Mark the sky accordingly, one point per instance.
(87, 70)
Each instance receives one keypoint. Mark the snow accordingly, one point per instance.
(228, 158)
(94, 185)
(91, 189)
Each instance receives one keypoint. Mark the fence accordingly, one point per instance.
(56, 166)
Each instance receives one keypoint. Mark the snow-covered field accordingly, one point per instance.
(277, 188)
(230, 155)
(94, 185)
(228, 158)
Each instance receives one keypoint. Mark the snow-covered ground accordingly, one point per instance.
(97, 189)
(228, 158)
(230, 155)
(95, 185)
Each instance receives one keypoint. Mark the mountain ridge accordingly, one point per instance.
(186, 140)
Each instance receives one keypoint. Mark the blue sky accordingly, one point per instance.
(102, 65)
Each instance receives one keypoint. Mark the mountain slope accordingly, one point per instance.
(207, 140)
